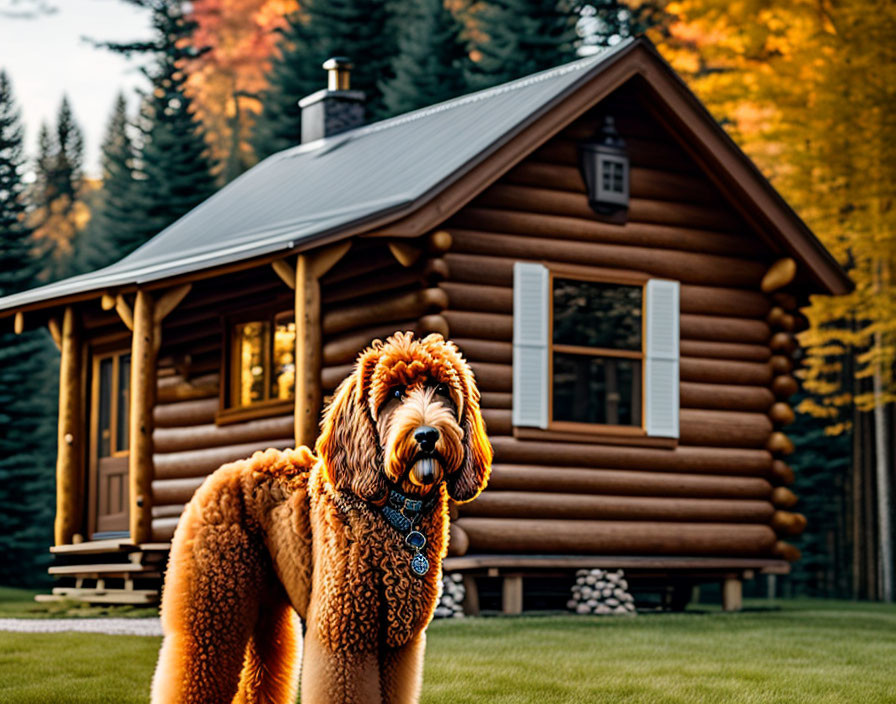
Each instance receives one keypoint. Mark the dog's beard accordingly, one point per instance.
(425, 471)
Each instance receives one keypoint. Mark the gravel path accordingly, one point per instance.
(112, 626)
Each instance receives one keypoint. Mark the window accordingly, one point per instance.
(111, 397)
(261, 363)
(595, 351)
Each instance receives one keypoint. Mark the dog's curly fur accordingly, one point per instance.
(295, 532)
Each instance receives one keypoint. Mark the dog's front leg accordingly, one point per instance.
(401, 672)
(338, 675)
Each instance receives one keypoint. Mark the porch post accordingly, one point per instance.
(70, 452)
(143, 389)
(309, 338)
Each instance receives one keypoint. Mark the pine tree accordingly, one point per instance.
(175, 172)
(432, 64)
(361, 30)
(111, 234)
(58, 213)
(26, 453)
(295, 73)
(522, 37)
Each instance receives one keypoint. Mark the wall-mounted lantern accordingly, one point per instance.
(603, 161)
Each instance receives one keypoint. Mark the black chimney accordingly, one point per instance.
(334, 109)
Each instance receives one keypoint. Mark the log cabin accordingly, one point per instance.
(624, 282)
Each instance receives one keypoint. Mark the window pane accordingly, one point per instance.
(251, 346)
(593, 314)
(124, 405)
(597, 389)
(283, 380)
(104, 410)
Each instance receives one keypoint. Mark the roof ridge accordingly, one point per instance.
(477, 96)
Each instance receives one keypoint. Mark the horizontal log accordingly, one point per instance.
(412, 304)
(167, 511)
(538, 505)
(509, 477)
(724, 350)
(493, 377)
(194, 463)
(712, 428)
(162, 530)
(781, 364)
(714, 300)
(724, 397)
(786, 551)
(781, 414)
(782, 473)
(331, 377)
(458, 541)
(396, 279)
(784, 386)
(483, 326)
(591, 230)
(656, 153)
(724, 329)
(687, 267)
(358, 262)
(478, 297)
(496, 399)
(716, 371)
(201, 436)
(185, 413)
(175, 491)
(508, 535)
(345, 347)
(643, 183)
(779, 275)
(498, 421)
(550, 201)
(778, 443)
(782, 497)
(788, 524)
(699, 460)
(783, 343)
(432, 324)
(485, 350)
(175, 388)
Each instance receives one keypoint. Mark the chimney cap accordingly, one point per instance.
(338, 70)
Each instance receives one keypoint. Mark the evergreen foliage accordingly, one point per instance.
(26, 449)
(361, 30)
(58, 213)
(295, 72)
(175, 172)
(111, 232)
(432, 64)
(521, 37)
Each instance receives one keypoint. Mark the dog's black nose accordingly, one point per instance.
(426, 438)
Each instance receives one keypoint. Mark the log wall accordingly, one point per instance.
(712, 494)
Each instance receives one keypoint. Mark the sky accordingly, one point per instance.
(47, 56)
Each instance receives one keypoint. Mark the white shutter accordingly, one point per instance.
(661, 361)
(530, 345)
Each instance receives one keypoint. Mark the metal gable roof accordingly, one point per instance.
(309, 191)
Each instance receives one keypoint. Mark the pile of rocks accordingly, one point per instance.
(451, 601)
(601, 592)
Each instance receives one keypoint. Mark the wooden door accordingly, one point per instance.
(110, 403)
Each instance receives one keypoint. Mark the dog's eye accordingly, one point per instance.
(397, 392)
(443, 390)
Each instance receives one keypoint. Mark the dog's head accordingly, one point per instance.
(408, 415)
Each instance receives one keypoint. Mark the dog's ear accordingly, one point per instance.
(348, 444)
(466, 484)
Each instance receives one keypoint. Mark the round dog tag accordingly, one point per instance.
(419, 564)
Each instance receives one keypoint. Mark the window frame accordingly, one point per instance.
(604, 276)
(228, 387)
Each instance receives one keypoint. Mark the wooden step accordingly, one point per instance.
(129, 569)
(95, 547)
(101, 596)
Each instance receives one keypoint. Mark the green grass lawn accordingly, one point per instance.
(789, 651)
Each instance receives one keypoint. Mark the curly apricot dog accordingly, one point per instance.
(350, 538)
